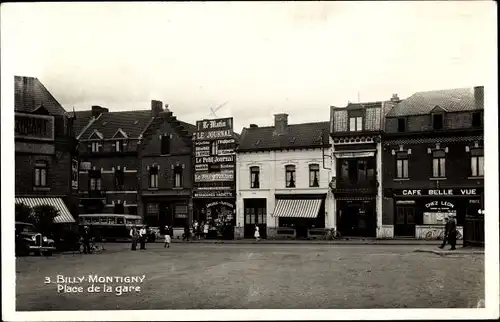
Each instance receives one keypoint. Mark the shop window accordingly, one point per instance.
(314, 175)
(254, 177)
(401, 124)
(40, 174)
(153, 208)
(477, 163)
(290, 176)
(437, 218)
(153, 176)
(95, 146)
(180, 215)
(119, 177)
(178, 177)
(286, 222)
(437, 121)
(356, 124)
(476, 119)
(165, 144)
(402, 165)
(438, 164)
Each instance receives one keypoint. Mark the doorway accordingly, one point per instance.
(404, 225)
(356, 218)
(255, 214)
(301, 229)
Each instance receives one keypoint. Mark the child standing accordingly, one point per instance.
(167, 237)
(257, 234)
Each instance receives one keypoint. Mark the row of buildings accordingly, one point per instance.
(384, 169)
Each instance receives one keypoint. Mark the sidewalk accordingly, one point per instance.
(459, 251)
(357, 241)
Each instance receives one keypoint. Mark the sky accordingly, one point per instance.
(256, 59)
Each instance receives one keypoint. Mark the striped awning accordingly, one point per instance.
(297, 208)
(64, 214)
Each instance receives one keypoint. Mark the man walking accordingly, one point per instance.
(143, 235)
(134, 234)
(452, 234)
(446, 231)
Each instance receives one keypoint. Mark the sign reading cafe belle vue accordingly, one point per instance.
(439, 192)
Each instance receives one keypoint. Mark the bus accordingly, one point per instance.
(109, 227)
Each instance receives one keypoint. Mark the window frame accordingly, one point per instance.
(40, 174)
(434, 115)
(95, 146)
(314, 170)
(290, 169)
(178, 171)
(254, 180)
(358, 123)
(439, 157)
(153, 177)
(402, 121)
(400, 159)
(119, 179)
(165, 149)
(477, 154)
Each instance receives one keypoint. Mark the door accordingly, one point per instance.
(405, 222)
(301, 229)
(255, 214)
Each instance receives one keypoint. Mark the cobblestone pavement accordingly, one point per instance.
(203, 276)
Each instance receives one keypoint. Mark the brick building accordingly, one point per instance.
(108, 155)
(433, 164)
(357, 167)
(165, 171)
(45, 169)
(282, 180)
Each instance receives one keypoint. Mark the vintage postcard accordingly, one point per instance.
(249, 161)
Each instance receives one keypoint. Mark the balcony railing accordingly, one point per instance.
(352, 186)
(97, 194)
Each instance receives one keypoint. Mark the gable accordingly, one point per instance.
(96, 135)
(438, 109)
(120, 134)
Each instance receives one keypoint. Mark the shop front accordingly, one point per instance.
(219, 215)
(299, 216)
(421, 213)
(162, 211)
(356, 216)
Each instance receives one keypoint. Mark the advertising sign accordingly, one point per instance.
(213, 194)
(214, 129)
(215, 159)
(74, 174)
(214, 176)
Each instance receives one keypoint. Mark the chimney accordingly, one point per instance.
(280, 123)
(253, 126)
(479, 97)
(395, 98)
(156, 108)
(97, 110)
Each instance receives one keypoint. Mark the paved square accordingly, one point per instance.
(225, 276)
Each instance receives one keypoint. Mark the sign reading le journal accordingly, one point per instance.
(214, 129)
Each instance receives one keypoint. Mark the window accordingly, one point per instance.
(401, 124)
(40, 174)
(356, 124)
(402, 165)
(254, 177)
(314, 175)
(438, 164)
(95, 184)
(437, 121)
(119, 176)
(178, 177)
(290, 176)
(119, 145)
(354, 171)
(95, 146)
(477, 163)
(476, 119)
(165, 144)
(153, 177)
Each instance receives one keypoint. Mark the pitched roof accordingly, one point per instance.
(30, 94)
(297, 135)
(449, 100)
(82, 120)
(131, 122)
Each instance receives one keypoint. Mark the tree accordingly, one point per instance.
(23, 213)
(43, 218)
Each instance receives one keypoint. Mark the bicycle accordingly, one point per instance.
(332, 234)
(93, 249)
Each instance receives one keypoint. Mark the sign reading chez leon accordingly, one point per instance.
(438, 192)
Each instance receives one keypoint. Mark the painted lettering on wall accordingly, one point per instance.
(439, 192)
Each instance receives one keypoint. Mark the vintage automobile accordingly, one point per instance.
(29, 240)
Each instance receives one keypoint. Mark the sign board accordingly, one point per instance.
(216, 159)
(214, 176)
(74, 174)
(213, 194)
(439, 192)
(85, 166)
(33, 126)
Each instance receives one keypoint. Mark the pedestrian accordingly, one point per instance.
(257, 234)
(134, 234)
(143, 235)
(167, 237)
(452, 234)
(205, 230)
(86, 240)
(186, 233)
(446, 231)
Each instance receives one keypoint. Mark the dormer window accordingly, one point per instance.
(437, 121)
(356, 124)
(165, 144)
(119, 146)
(401, 124)
(476, 119)
(95, 146)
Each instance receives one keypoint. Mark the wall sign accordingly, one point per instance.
(74, 174)
(223, 203)
(438, 192)
(214, 176)
(213, 194)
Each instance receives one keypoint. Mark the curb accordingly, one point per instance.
(450, 252)
(277, 242)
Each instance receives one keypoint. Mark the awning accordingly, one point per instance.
(64, 214)
(297, 208)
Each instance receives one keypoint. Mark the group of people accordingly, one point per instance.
(139, 236)
(450, 233)
(199, 230)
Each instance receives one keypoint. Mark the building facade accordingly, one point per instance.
(283, 176)
(214, 176)
(45, 150)
(433, 162)
(165, 171)
(357, 167)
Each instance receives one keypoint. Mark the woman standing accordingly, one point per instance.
(167, 237)
(134, 234)
(256, 234)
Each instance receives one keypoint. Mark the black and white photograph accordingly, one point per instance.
(272, 160)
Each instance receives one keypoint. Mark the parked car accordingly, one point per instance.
(29, 240)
